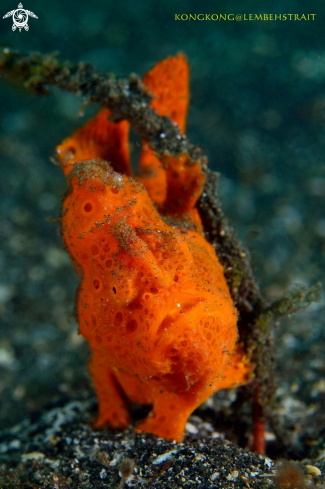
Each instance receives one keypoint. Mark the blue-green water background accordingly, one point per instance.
(258, 109)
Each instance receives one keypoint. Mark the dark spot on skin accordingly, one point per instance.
(118, 320)
(94, 250)
(88, 207)
(131, 326)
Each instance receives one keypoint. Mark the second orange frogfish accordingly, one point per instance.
(153, 302)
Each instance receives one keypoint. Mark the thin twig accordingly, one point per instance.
(163, 468)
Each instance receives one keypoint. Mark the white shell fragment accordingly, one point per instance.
(165, 456)
(312, 470)
(32, 456)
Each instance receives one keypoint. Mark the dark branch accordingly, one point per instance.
(126, 98)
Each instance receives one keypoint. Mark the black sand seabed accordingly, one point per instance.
(61, 450)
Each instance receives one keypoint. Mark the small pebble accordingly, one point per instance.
(233, 475)
(312, 470)
(32, 456)
(214, 475)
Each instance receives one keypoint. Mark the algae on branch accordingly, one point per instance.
(125, 97)
(300, 297)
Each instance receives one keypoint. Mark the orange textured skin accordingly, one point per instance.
(98, 138)
(153, 302)
(168, 81)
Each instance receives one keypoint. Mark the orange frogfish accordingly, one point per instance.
(153, 302)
